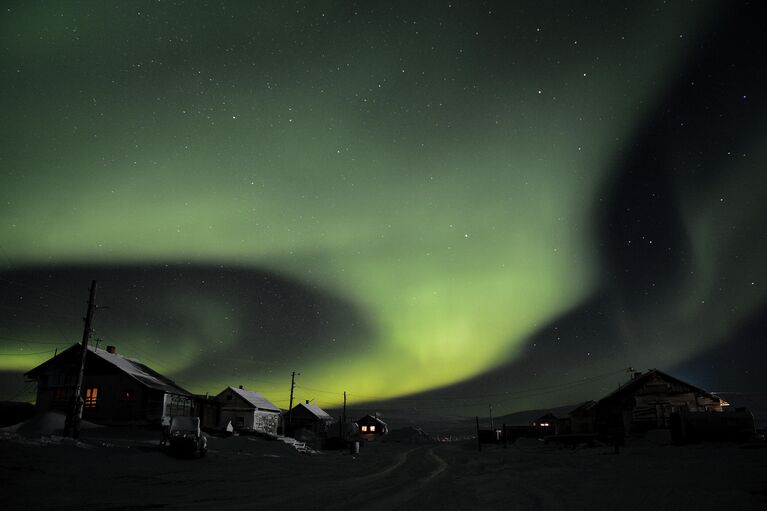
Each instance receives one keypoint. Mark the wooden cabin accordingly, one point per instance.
(545, 425)
(579, 421)
(310, 417)
(648, 402)
(371, 427)
(247, 410)
(115, 389)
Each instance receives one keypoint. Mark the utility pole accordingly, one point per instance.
(491, 419)
(479, 438)
(75, 414)
(343, 419)
(290, 406)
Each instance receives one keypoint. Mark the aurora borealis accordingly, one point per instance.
(395, 199)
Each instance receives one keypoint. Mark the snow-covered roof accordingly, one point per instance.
(139, 371)
(315, 410)
(371, 418)
(133, 368)
(650, 375)
(256, 399)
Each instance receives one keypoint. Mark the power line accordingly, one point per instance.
(14, 339)
(38, 311)
(25, 354)
(39, 289)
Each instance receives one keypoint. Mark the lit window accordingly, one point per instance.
(372, 429)
(364, 428)
(91, 397)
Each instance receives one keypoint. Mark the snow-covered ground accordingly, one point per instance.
(123, 469)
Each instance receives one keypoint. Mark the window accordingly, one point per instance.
(60, 394)
(372, 429)
(178, 406)
(364, 429)
(91, 397)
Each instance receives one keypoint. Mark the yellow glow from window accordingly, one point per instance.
(91, 397)
(372, 428)
(364, 428)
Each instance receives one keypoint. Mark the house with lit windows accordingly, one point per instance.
(545, 425)
(115, 389)
(371, 427)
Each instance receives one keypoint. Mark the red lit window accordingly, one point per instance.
(91, 397)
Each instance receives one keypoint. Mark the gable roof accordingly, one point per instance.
(642, 379)
(548, 417)
(369, 418)
(253, 398)
(582, 409)
(314, 410)
(131, 367)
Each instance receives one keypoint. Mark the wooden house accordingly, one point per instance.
(545, 425)
(310, 417)
(371, 427)
(115, 389)
(648, 402)
(582, 418)
(247, 410)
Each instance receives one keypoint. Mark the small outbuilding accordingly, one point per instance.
(371, 427)
(582, 418)
(247, 410)
(310, 417)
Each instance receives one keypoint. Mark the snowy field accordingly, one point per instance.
(117, 469)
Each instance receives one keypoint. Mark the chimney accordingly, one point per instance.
(307, 401)
(637, 374)
(241, 388)
(112, 350)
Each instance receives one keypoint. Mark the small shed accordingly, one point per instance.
(311, 417)
(582, 418)
(208, 410)
(371, 427)
(247, 410)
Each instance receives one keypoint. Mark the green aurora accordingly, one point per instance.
(435, 165)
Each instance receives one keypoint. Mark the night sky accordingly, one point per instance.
(453, 203)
